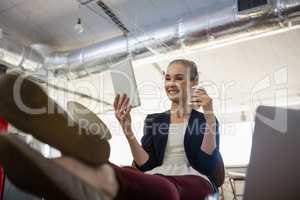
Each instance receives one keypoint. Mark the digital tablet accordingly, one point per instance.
(124, 81)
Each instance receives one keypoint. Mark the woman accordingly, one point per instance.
(181, 144)
(176, 159)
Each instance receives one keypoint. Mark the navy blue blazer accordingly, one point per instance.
(154, 141)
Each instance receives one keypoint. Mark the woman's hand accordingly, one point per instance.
(122, 113)
(199, 99)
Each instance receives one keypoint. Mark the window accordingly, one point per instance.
(236, 142)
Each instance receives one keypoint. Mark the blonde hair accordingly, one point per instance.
(190, 64)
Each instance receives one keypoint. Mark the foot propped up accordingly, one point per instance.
(25, 105)
(102, 177)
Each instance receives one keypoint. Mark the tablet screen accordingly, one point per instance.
(124, 81)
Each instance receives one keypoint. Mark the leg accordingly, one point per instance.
(135, 185)
(123, 183)
(33, 173)
(191, 187)
(49, 125)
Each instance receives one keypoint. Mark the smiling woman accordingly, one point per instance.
(180, 145)
(179, 78)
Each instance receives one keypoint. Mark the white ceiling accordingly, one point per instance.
(52, 22)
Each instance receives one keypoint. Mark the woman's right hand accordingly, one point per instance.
(122, 113)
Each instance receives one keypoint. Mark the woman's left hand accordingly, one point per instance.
(199, 99)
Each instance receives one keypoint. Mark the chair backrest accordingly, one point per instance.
(218, 174)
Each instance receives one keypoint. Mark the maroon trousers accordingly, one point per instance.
(136, 185)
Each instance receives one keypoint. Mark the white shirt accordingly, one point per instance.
(175, 162)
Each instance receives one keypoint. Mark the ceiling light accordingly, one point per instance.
(211, 37)
(79, 27)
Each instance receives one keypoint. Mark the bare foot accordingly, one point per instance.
(102, 177)
(107, 177)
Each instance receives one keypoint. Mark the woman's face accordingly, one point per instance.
(177, 82)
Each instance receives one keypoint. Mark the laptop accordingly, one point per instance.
(274, 169)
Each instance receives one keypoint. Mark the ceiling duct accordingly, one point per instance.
(17, 55)
(226, 23)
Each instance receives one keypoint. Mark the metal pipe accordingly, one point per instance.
(17, 55)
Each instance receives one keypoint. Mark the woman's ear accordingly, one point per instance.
(194, 82)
